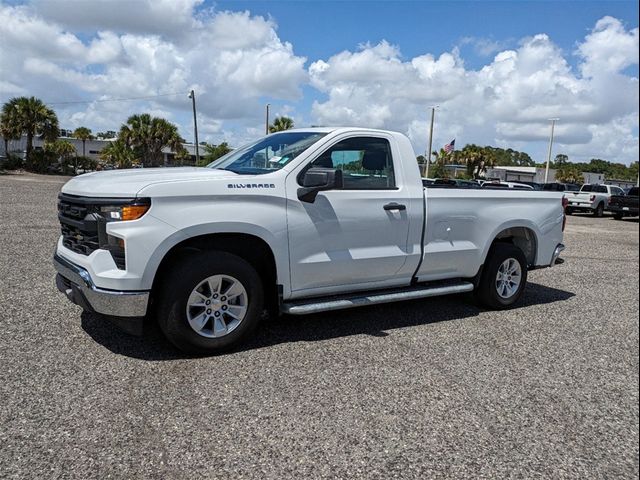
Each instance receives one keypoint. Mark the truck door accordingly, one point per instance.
(354, 235)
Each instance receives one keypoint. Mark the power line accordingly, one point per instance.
(150, 97)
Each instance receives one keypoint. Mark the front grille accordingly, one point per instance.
(78, 240)
(83, 227)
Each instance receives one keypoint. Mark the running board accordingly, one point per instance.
(360, 299)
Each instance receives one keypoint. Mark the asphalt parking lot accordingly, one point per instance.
(425, 389)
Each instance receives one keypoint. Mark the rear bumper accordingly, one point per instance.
(581, 206)
(76, 283)
(625, 210)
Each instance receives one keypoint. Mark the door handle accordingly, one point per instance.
(394, 206)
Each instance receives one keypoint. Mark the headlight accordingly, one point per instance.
(131, 211)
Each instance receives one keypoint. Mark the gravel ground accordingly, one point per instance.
(425, 389)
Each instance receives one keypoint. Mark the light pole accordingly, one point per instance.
(266, 123)
(428, 159)
(546, 173)
(192, 96)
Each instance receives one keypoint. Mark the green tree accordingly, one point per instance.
(280, 124)
(64, 151)
(213, 152)
(569, 173)
(30, 116)
(109, 134)
(560, 160)
(8, 129)
(84, 134)
(118, 154)
(182, 157)
(440, 159)
(477, 159)
(149, 135)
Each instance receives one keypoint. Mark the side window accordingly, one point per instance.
(366, 163)
(601, 189)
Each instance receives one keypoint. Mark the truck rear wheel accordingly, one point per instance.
(599, 211)
(210, 302)
(504, 277)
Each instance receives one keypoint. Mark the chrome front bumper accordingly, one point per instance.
(76, 283)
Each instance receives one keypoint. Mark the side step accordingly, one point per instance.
(360, 299)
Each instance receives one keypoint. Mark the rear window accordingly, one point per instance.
(633, 192)
(594, 188)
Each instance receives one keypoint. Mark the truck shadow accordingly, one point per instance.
(376, 321)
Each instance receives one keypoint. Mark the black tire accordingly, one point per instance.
(185, 276)
(599, 211)
(618, 216)
(487, 291)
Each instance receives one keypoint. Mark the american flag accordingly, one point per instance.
(450, 147)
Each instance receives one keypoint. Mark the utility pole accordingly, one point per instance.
(192, 96)
(546, 173)
(266, 123)
(428, 159)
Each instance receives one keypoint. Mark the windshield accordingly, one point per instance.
(267, 154)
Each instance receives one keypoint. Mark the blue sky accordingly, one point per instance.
(319, 29)
(498, 70)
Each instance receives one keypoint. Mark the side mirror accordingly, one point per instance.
(317, 180)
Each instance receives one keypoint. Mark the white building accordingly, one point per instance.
(534, 174)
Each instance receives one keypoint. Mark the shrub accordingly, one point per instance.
(12, 162)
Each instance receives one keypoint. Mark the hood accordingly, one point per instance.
(127, 183)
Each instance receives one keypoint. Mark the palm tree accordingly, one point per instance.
(477, 159)
(214, 152)
(8, 129)
(64, 150)
(149, 135)
(118, 153)
(84, 134)
(280, 124)
(32, 117)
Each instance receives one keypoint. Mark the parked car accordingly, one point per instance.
(560, 187)
(592, 198)
(343, 221)
(534, 185)
(427, 181)
(624, 205)
(511, 185)
(454, 183)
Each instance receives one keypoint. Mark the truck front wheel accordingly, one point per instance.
(504, 277)
(209, 302)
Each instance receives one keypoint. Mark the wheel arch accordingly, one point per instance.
(252, 248)
(522, 236)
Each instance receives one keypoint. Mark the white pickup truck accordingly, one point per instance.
(592, 198)
(298, 222)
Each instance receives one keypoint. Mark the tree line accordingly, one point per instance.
(478, 159)
(142, 138)
(139, 142)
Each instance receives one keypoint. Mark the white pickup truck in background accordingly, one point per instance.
(591, 198)
(298, 222)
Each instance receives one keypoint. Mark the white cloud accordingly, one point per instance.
(162, 17)
(507, 101)
(232, 60)
(236, 62)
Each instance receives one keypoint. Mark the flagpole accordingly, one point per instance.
(546, 172)
(428, 159)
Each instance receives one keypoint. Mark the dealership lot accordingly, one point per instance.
(434, 388)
